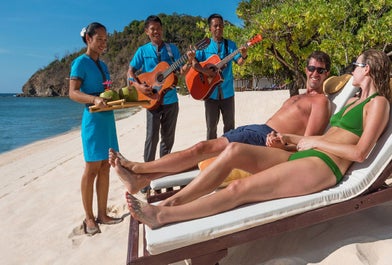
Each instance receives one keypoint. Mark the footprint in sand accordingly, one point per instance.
(118, 211)
(76, 234)
(77, 231)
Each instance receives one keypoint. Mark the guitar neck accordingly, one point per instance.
(175, 65)
(227, 59)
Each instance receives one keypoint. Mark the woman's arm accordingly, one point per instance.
(76, 95)
(376, 117)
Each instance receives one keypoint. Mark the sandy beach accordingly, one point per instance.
(42, 213)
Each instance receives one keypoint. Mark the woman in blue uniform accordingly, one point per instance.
(98, 130)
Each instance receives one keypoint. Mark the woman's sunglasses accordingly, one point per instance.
(319, 70)
(355, 64)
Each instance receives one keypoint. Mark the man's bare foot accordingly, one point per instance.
(133, 182)
(143, 212)
(113, 155)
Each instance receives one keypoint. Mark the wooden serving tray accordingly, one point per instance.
(119, 104)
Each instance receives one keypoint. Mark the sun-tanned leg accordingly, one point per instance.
(287, 179)
(177, 161)
(235, 155)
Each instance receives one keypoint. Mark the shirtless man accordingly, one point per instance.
(305, 114)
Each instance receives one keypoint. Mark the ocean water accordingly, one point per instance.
(25, 120)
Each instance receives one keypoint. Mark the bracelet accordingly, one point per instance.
(244, 58)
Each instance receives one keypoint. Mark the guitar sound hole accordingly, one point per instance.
(160, 78)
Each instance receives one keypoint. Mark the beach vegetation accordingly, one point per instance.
(291, 30)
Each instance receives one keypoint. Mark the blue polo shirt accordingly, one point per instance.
(146, 59)
(227, 86)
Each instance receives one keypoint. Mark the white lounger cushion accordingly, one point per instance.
(175, 180)
(356, 181)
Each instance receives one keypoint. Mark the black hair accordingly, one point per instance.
(321, 57)
(211, 17)
(91, 30)
(151, 18)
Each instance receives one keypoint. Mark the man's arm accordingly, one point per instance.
(133, 81)
(319, 116)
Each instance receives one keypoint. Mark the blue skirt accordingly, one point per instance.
(98, 135)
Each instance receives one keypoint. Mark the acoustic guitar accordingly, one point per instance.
(200, 86)
(162, 78)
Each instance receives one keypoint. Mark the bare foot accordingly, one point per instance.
(113, 155)
(143, 212)
(133, 182)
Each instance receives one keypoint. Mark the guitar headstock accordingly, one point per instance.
(200, 45)
(254, 40)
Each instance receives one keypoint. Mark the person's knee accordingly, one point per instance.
(236, 187)
(234, 149)
(200, 148)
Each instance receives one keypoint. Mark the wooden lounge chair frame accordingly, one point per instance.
(211, 251)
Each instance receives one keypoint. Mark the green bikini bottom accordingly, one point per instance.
(327, 160)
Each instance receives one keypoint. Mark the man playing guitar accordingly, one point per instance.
(162, 118)
(221, 99)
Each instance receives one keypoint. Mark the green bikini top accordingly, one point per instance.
(352, 121)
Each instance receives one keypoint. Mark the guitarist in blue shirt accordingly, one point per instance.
(221, 99)
(162, 115)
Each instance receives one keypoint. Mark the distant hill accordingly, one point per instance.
(53, 79)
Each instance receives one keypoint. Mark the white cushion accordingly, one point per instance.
(179, 179)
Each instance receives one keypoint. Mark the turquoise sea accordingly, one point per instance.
(24, 120)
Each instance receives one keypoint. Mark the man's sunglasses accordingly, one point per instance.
(319, 70)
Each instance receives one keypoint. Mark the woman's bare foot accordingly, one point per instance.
(143, 212)
(113, 155)
(133, 182)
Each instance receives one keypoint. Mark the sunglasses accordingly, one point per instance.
(319, 70)
(355, 64)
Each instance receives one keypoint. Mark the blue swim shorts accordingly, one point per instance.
(255, 134)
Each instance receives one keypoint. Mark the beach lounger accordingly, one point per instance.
(206, 240)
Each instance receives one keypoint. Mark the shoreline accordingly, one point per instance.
(42, 211)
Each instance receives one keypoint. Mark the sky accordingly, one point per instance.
(33, 33)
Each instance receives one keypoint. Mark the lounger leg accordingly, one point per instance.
(210, 259)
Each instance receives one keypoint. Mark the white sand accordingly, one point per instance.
(41, 209)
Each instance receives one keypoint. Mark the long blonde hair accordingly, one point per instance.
(380, 69)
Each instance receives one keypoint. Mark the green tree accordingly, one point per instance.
(293, 29)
